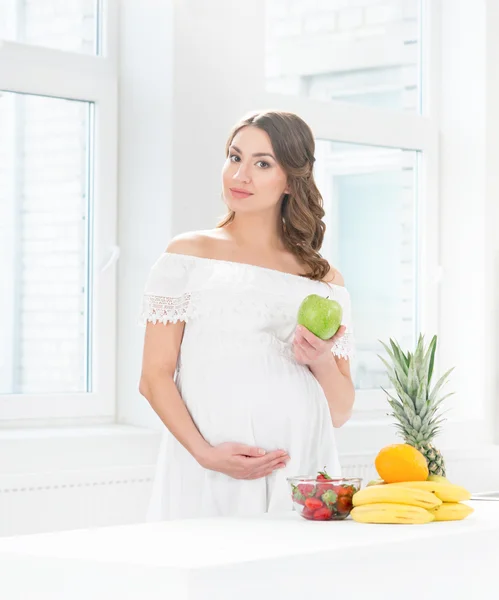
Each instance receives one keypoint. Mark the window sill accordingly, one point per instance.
(45, 449)
(81, 447)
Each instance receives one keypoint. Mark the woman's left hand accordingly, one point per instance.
(310, 350)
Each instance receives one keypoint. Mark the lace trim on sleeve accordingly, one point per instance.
(164, 309)
(345, 346)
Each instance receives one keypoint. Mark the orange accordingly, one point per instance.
(401, 462)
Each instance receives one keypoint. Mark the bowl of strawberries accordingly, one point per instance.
(323, 498)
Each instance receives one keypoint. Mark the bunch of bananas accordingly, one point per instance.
(411, 502)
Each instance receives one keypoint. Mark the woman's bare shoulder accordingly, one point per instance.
(191, 243)
(334, 276)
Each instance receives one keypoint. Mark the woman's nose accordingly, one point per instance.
(241, 174)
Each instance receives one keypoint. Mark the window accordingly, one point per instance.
(370, 202)
(58, 117)
(364, 52)
(44, 246)
(359, 74)
(63, 25)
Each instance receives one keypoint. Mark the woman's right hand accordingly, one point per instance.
(241, 461)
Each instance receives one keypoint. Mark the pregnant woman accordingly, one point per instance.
(247, 397)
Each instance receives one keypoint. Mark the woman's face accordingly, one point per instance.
(251, 167)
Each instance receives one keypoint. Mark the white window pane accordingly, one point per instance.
(70, 25)
(44, 253)
(360, 51)
(370, 201)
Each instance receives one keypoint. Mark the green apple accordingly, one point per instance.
(320, 315)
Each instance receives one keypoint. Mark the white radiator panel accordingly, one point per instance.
(38, 502)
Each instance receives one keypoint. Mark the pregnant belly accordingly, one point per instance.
(271, 402)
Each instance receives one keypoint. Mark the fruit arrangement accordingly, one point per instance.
(323, 498)
(412, 487)
(416, 498)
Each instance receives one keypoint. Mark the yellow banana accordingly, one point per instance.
(439, 478)
(451, 511)
(396, 495)
(447, 492)
(387, 512)
(376, 482)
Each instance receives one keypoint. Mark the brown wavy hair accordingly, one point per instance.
(302, 209)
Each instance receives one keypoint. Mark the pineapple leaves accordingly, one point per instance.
(405, 399)
(401, 359)
(415, 408)
(430, 355)
(420, 399)
(388, 351)
(415, 367)
(412, 379)
(397, 367)
(398, 409)
(424, 410)
(438, 385)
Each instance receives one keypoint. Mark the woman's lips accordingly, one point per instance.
(239, 194)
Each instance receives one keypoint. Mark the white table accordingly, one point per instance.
(258, 558)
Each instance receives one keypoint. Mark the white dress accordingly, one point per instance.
(239, 379)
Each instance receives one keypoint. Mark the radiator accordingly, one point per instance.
(39, 502)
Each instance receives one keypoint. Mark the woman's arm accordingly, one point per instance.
(161, 349)
(240, 461)
(336, 381)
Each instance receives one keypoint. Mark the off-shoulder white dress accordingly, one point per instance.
(237, 374)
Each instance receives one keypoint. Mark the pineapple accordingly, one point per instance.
(416, 406)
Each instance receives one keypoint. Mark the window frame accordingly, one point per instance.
(363, 125)
(37, 70)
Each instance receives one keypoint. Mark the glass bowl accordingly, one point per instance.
(323, 500)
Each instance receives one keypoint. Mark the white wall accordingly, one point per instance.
(146, 179)
(491, 264)
(463, 203)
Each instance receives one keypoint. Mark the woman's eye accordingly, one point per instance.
(260, 162)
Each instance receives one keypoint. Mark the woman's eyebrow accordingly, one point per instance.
(256, 153)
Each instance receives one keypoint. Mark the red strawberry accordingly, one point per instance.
(313, 503)
(306, 489)
(323, 514)
(341, 491)
(302, 491)
(323, 487)
(308, 513)
(298, 497)
(324, 483)
(345, 490)
(323, 475)
(344, 504)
